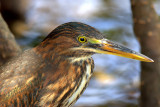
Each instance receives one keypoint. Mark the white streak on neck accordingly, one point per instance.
(79, 58)
(85, 81)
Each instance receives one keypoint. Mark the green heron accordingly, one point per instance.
(57, 71)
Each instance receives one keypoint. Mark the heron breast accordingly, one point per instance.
(83, 84)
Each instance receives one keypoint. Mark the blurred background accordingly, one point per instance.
(115, 82)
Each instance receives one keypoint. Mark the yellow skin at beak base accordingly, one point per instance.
(108, 47)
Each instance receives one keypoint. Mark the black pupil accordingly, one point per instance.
(82, 39)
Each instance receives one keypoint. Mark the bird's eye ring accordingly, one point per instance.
(82, 39)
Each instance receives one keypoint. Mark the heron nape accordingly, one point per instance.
(57, 71)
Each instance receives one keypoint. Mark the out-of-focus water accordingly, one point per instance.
(116, 79)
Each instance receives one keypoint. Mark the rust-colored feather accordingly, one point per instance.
(48, 75)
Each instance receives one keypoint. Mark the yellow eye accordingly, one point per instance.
(82, 39)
